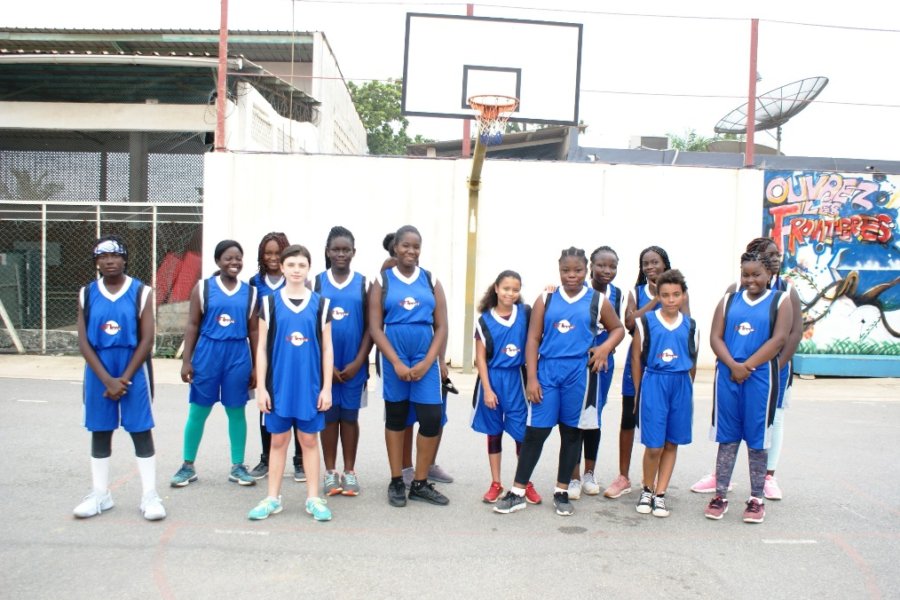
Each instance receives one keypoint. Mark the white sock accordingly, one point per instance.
(559, 489)
(100, 474)
(147, 469)
(517, 491)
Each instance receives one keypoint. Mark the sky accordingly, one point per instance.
(647, 69)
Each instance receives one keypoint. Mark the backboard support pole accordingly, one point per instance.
(751, 94)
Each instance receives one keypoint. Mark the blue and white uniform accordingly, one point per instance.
(222, 358)
(666, 402)
(504, 343)
(265, 287)
(409, 304)
(786, 374)
(745, 411)
(294, 351)
(570, 326)
(112, 325)
(348, 326)
(601, 381)
(642, 296)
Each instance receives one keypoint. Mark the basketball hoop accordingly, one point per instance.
(493, 113)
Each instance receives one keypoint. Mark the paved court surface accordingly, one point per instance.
(835, 535)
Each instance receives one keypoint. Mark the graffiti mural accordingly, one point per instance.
(839, 238)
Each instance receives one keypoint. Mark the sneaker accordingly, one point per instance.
(299, 473)
(531, 495)
(562, 505)
(185, 475)
(771, 490)
(755, 511)
(427, 493)
(493, 493)
(260, 470)
(240, 476)
(93, 504)
(707, 485)
(645, 502)
(716, 508)
(409, 473)
(620, 485)
(437, 473)
(448, 386)
(269, 506)
(510, 503)
(589, 485)
(350, 487)
(574, 489)
(333, 483)
(659, 507)
(152, 508)
(317, 508)
(397, 494)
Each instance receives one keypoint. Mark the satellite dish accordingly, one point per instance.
(775, 108)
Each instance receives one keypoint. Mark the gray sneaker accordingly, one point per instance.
(437, 473)
(510, 503)
(260, 470)
(299, 473)
(185, 475)
(562, 505)
(240, 476)
(427, 493)
(350, 487)
(332, 483)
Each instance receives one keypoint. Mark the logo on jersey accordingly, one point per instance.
(667, 355)
(744, 328)
(225, 320)
(511, 350)
(409, 303)
(297, 339)
(563, 326)
(339, 313)
(110, 328)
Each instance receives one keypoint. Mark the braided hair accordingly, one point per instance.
(642, 279)
(336, 232)
(573, 251)
(600, 249)
(273, 236)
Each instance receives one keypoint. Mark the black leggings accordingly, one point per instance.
(569, 452)
(628, 421)
(101, 444)
(429, 416)
(591, 443)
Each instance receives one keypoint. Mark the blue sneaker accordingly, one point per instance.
(185, 475)
(269, 506)
(240, 476)
(317, 508)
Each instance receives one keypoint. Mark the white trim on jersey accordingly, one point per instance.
(113, 297)
(225, 290)
(334, 282)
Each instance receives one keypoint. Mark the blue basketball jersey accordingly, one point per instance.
(264, 288)
(570, 324)
(407, 300)
(294, 350)
(225, 312)
(113, 320)
(348, 324)
(504, 339)
(614, 295)
(749, 323)
(669, 348)
(641, 297)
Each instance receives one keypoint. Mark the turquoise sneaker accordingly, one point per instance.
(317, 508)
(240, 476)
(269, 506)
(185, 475)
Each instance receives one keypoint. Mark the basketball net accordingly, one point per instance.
(493, 113)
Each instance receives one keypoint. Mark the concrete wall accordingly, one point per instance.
(529, 212)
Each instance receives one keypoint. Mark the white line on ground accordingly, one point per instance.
(790, 542)
(240, 532)
(32, 401)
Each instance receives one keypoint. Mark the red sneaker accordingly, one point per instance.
(531, 495)
(493, 493)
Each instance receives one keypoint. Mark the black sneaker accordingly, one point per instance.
(645, 502)
(448, 386)
(427, 493)
(299, 473)
(562, 505)
(260, 470)
(510, 503)
(397, 493)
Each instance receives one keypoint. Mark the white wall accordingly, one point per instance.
(107, 117)
(528, 212)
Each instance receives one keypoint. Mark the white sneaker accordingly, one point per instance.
(152, 508)
(93, 504)
(589, 485)
(575, 489)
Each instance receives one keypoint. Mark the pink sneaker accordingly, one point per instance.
(621, 485)
(755, 511)
(707, 485)
(771, 490)
(716, 508)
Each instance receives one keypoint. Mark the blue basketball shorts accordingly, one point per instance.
(221, 372)
(132, 410)
(666, 406)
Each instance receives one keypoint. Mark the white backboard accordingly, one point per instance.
(449, 58)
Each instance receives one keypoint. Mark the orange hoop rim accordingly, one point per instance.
(492, 105)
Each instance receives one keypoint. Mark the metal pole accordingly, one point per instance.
(751, 93)
(223, 75)
(43, 278)
(153, 281)
(467, 123)
(471, 252)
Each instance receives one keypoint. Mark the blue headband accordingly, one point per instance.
(109, 247)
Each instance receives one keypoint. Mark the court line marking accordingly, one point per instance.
(32, 401)
(240, 532)
(791, 542)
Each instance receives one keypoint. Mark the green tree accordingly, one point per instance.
(26, 186)
(378, 106)
(691, 141)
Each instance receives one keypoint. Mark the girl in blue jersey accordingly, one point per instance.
(218, 360)
(559, 357)
(115, 336)
(663, 362)
(499, 400)
(294, 370)
(267, 280)
(749, 329)
(604, 266)
(408, 324)
(346, 291)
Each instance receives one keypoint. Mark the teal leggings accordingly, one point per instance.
(237, 431)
